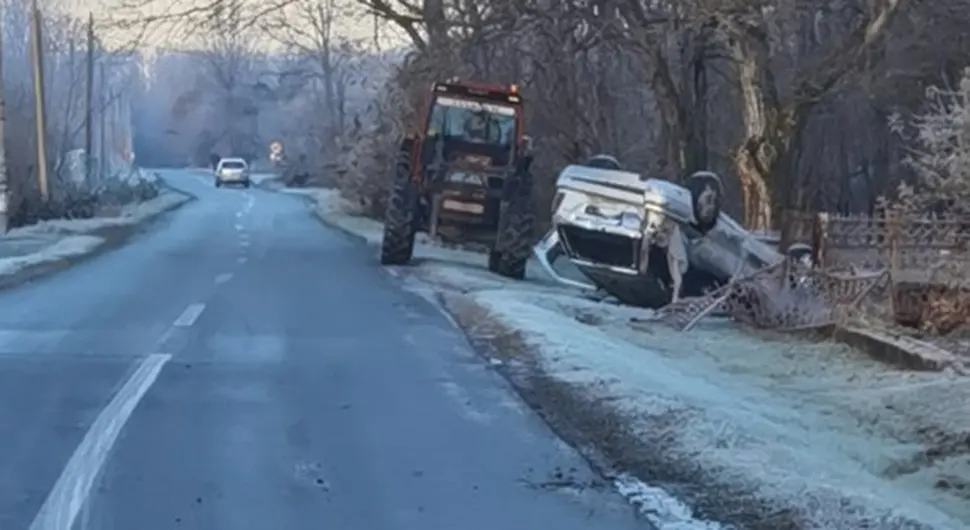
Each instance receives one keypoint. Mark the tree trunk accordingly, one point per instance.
(694, 47)
(436, 23)
(766, 133)
(771, 128)
(672, 116)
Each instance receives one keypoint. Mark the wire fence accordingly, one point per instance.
(889, 269)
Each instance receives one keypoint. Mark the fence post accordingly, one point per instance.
(784, 242)
(892, 223)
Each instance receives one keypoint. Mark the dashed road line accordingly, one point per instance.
(223, 278)
(244, 243)
(242, 260)
(70, 492)
(189, 316)
(239, 227)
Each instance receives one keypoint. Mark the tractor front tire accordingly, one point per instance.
(513, 243)
(397, 246)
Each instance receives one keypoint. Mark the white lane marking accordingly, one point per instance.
(224, 277)
(165, 338)
(242, 260)
(244, 243)
(239, 214)
(189, 316)
(72, 488)
(239, 227)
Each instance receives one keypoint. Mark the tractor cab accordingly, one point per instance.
(471, 136)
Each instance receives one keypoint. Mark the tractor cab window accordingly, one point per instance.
(472, 121)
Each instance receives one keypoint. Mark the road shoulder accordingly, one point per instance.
(762, 430)
(59, 244)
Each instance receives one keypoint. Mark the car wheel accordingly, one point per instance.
(218, 183)
(706, 197)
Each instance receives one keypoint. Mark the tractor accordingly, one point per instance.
(464, 177)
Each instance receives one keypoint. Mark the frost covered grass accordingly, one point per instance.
(814, 435)
(129, 215)
(758, 430)
(63, 249)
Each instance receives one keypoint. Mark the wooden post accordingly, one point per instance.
(892, 223)
(40, 117)
(820, 226)
(104, 169)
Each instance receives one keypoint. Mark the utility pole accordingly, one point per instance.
(40, 117)
(104, 169)
(4, 188)
(89, 111)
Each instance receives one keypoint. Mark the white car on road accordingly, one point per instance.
(232, 171)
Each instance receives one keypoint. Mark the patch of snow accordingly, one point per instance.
(659, 507)
(67, 238)
(259, 177)
(130, 214)
(65, 248)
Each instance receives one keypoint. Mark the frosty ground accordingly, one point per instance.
(750, 429)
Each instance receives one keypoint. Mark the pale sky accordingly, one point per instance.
(171, 33)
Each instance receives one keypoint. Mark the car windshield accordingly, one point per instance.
(473, 121)
(233, 164)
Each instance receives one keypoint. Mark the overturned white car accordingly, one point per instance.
(647, 241)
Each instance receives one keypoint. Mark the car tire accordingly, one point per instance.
(218, 183)
(706, 198)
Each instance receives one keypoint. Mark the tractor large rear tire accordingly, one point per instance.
(514, 240)
(400, 227)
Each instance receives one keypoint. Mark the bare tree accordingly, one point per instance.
(228, 80)
(308, 28)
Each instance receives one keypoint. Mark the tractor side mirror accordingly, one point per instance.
(526, 146)
(525, 154)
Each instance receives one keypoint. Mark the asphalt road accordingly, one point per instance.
(241, 367)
